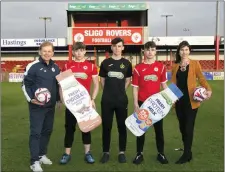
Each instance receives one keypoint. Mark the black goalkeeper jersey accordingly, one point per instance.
(115, 73)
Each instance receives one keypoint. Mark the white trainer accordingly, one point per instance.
(45, 160)
(36, 167)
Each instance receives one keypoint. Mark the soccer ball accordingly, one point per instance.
(200, 94)
(43, 95)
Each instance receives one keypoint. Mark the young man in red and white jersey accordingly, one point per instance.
(85, 72)
(146, 81)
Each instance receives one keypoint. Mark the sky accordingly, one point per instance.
(21, 19)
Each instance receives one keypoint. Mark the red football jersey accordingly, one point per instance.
(148, 77)
(83, 72)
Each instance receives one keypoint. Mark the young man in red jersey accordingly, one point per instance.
(146, 81)
(85, 72)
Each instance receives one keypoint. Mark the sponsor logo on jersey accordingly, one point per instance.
(118, 75)
(150, 78)
(80, 75)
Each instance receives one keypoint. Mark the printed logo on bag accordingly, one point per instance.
(145, 124)
(160, 103)
(75, 97)
(122, 66)
(150, 78)
(83, 109)
(118, 75)
(143, 115)
(154, 108)
(85, 67)
(156, 69)
(148, 122)
(73, 84)
(80, 75)
(167, 98)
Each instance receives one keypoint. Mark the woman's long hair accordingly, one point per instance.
(181, 45)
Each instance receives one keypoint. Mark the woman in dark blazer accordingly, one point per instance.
(185, 73)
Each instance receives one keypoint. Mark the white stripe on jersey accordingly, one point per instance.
(136, 71)
(25, 73)
(134, 85)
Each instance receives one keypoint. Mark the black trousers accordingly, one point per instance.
(108, 109)
(186, 117)
(158, 127)
(41, 125)
(70, 127)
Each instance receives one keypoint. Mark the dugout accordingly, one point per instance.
(96, 24)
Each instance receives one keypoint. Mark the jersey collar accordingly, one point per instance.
(79, 61)
(116, 59)
(51, 62)
(148, 63)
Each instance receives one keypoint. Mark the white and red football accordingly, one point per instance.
(43, 95)
(200, 94)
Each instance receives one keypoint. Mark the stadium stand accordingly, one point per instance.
(19, 66)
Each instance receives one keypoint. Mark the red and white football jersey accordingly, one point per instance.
(148, 77)
(83, 72)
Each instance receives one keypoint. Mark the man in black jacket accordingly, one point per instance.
(41, 74)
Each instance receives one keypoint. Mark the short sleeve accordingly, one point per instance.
(102, 72)
(64, 67)
(163, 77)
(129, 70)
(94, 70)
(135, 78)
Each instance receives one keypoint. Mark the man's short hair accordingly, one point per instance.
(117, 40)
(150, 44)
(45, 44)
(78, 45)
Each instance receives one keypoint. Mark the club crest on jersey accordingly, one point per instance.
(118, 75)
(150, 78)
(85, 67)
(80, 75)
(156, 69)
(53, 69)
(122, 66)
